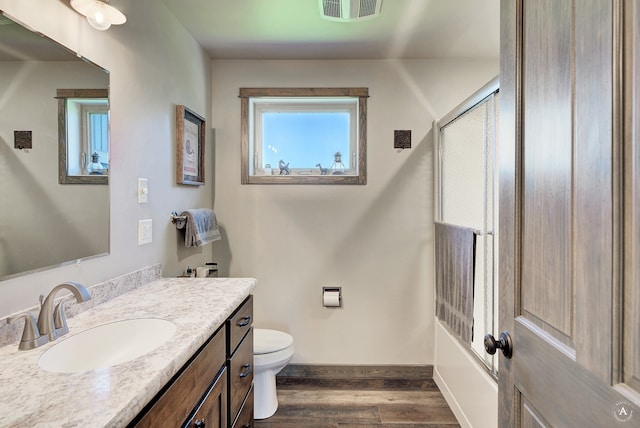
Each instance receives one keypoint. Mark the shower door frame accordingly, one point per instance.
(491, 87)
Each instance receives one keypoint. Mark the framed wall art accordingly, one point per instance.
(190, 149)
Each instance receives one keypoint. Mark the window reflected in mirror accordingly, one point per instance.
(83, 121)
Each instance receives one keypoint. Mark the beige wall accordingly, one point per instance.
(154, 64)
(375, 241)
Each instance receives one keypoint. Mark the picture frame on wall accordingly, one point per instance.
(190, 150)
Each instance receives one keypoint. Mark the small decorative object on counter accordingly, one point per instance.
(188, 273)
(267, 169)
(213, 269)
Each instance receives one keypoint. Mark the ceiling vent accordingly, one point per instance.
(350, 10)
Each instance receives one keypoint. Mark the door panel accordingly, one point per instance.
(546, 242)
(530, 419)
(593, 188)
(569, 223)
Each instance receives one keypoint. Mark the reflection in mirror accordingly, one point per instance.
(42, 223)
(83, 136)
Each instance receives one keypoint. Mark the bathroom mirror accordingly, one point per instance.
(43, 223)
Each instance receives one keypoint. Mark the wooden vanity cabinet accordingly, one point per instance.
(212, 412)
(201, 385)
(215, 387)
(240, 366)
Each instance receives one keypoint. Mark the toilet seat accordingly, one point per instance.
(267, 341)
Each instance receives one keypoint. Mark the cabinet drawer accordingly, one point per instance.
(240, 374)
(239, 324)
(245, 418)
(174, 406)
(212, 412)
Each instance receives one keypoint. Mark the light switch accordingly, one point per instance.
(145, 231)
(143, 191)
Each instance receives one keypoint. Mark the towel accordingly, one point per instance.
(455, 266)
(202, 227)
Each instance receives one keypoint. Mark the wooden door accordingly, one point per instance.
(568, 222)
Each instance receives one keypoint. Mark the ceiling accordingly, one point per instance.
(294, 29)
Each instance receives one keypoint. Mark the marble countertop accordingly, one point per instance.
(114, 396)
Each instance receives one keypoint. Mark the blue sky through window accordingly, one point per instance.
(304, 139)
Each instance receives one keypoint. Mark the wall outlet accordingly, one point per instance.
(143, 191)
(145, 231)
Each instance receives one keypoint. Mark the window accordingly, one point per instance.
(303, 135)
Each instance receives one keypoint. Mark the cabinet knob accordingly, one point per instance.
(246, 370)
(244, 321)
(200, 423)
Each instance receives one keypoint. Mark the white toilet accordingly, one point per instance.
(272, 350)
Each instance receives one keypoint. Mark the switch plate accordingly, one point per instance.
(143, 191)
(145, 231)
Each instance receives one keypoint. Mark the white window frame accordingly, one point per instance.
(256, 101)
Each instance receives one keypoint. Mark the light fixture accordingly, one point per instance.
(349, 10)
(99, 13)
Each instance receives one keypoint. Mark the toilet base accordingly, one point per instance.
(265, 397)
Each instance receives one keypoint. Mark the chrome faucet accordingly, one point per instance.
(52, 322)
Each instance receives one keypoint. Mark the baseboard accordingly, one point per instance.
(322, 371)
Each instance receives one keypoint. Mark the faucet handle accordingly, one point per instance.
(31, 337)
(60, 320)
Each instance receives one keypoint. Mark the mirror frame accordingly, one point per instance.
(63, 176)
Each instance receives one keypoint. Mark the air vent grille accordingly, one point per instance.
(367, 7)
(332, 8)
(349, 10)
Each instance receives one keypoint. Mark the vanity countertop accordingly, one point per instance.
(113, 396)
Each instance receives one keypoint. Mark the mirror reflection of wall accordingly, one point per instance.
(43, 223)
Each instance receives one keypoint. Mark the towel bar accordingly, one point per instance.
(475, 231)
(179, 220)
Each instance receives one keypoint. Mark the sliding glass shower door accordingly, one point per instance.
(465, 194)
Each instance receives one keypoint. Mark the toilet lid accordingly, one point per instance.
(267, 341)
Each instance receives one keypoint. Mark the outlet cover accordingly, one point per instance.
(143, 191)
(145, 231)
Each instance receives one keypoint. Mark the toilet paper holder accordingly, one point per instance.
(328, 297)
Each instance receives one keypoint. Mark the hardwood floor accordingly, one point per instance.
(359, 403)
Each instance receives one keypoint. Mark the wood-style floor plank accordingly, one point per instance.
(359, 403)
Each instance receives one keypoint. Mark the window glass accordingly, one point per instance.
(297, 138)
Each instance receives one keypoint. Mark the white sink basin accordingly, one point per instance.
(107, 345)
